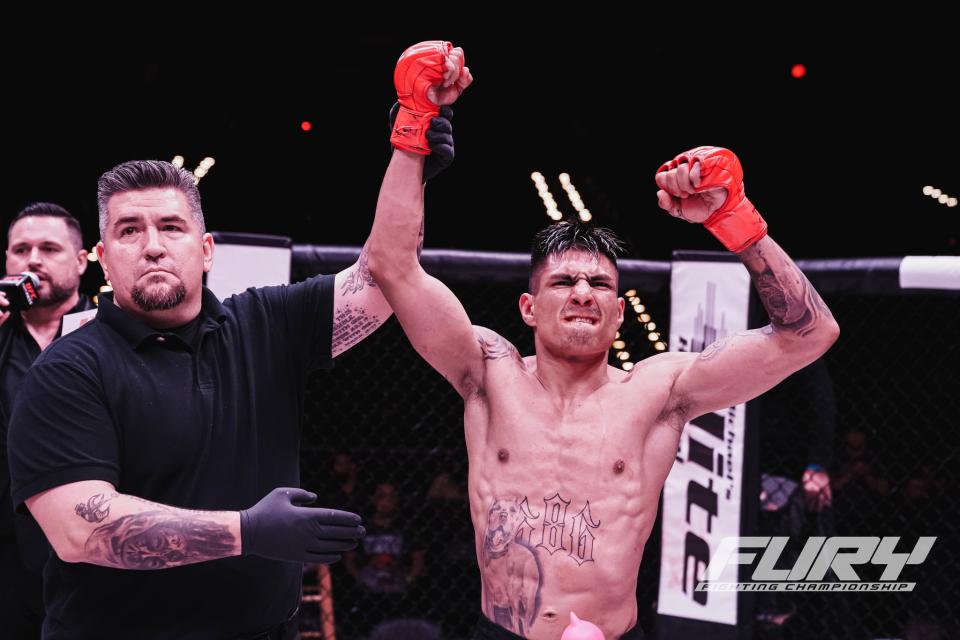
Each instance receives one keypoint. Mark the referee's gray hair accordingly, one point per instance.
(137, 175)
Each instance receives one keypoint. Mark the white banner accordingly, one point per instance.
(930, 272)
(701, 497)
(237, 267)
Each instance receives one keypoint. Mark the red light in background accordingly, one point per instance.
(798, 70)
(306, 125)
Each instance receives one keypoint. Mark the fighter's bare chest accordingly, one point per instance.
(525, 430)
(518, 407)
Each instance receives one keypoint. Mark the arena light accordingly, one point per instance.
(543, 190)
(939, 195)
(619, 345)
(202, 169)
(574, 197)
(627, 366)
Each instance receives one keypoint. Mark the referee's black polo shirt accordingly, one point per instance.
(210, 425)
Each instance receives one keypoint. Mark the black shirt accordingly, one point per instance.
(213, 426)
(18, 350)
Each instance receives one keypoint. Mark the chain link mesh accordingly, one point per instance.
(383, 436)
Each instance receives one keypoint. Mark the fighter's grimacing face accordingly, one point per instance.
(575, 308)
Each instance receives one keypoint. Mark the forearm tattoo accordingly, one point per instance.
(359, 277)
(420, 239)
(96, 508)
(351, 325)
(159, 540)
(789, 298)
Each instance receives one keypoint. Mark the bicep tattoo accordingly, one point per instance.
(715, 347)
(359, 277)
(494, 346)
(351, 325)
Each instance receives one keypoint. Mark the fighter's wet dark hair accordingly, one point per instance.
(563, 236)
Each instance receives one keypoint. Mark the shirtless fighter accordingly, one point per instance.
(567, 454)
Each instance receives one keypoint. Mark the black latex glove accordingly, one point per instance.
(279, 527)
(440, 139)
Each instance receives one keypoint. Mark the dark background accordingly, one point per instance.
(835, 161)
